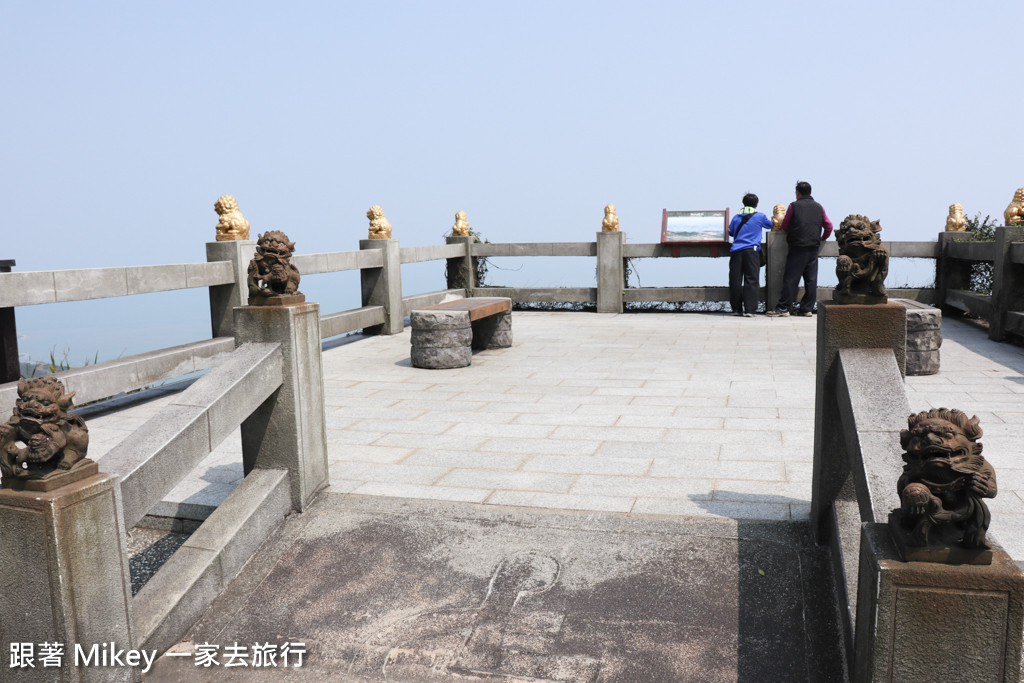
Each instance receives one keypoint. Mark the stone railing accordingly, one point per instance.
(899, 619)
(384, 306)
(1004, 307)
(71, 540)
(611, 293)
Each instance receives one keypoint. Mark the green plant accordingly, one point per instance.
(980, 279)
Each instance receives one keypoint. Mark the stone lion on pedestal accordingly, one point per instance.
(863, 262)
(956, 222)
(51, 439)
(944, 479)
(611, 219)
(461, 227)
(778, 213)
(380, 228)
(232, 225)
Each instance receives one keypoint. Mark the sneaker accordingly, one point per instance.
(777, 314)
(808, 314)
(748, 315)
(736, 314)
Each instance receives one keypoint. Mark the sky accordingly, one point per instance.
(123, 122)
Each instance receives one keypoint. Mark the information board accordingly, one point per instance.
(681, 227)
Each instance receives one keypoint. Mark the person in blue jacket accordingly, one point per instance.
(746, 228)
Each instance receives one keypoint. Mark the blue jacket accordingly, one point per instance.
(750, 236)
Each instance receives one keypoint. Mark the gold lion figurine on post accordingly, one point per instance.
(955, 222)
(461, 227)
(380, 229)
(611, 220)
(778, 213)
(1014, 214)
(232, 225)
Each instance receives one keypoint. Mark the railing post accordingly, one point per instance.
(776, 249)
(224, 298)
(610, 271)
(64, 556)
(288, 430)
(10, 367)
(461, 273)
(383, 286)
(1007, 281)
(950, 273)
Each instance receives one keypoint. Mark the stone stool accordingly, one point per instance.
(441, 339)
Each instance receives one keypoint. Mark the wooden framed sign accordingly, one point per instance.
(694, 227)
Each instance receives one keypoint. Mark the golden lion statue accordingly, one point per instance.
(461, 227)
(380, 229)
(955, 221)
(1014, 214)
(778, 213)
(611, 220)
(233, 225)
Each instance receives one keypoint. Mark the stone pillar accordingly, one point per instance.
(383, 286)
(10, 367)
(852, 326)
(66, 581)
(610, 271)
(924, 621)
(462, 270)
(224, 298)
(287, 431)
(950, 273)
(775, 255)
(1007, 281)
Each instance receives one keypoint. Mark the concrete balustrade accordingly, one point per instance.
(898, 618)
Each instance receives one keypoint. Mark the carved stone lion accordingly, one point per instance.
(778, 213)
(944, 479)
(863, 262)
(461, 227)
(380, 228)
(956, 222)
(611, 220)
(233, 225)
(1014, 214)
(271, 272)
(52, 440)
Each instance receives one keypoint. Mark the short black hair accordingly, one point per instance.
(750, 199)
(804, 188)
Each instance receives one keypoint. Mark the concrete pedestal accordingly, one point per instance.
(610, 272)
(288, 431)
(922, 621)
(66, 579)
(924, 337)
(224, 298)
(383, 286)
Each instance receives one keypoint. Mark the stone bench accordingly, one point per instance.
(444, 335)
(924, 336)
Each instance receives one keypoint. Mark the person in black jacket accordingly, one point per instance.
(806, 226)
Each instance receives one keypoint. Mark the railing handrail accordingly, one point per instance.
(28, 288)
(156, 456)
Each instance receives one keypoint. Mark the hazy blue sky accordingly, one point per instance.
(123, 122)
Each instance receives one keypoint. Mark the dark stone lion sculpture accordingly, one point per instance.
(50, 438)
(945, 479)
(271, 272)
(863, 262)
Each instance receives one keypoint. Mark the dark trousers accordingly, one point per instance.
(744, 269)
(800, 262)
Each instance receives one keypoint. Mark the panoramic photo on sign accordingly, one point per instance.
(694, 226)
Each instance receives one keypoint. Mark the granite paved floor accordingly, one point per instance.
(666, 414)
